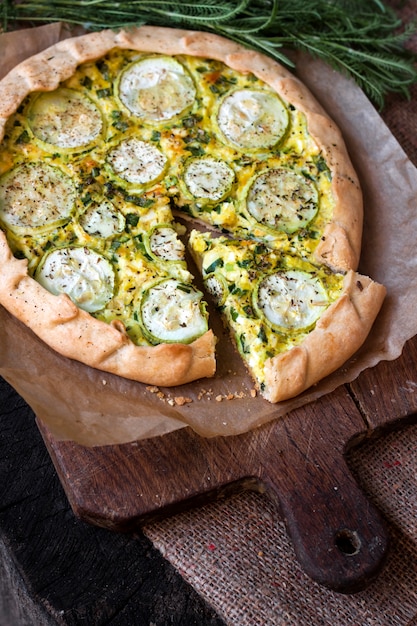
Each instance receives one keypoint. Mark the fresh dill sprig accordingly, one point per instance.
(364, 39)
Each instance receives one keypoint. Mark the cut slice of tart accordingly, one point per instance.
(293, 322)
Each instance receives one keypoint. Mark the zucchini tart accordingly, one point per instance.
(107, 138)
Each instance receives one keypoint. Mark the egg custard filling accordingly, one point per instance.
(93, 171)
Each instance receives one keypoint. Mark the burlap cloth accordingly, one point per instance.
(237, 554)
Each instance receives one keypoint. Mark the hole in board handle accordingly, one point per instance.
(348, 542)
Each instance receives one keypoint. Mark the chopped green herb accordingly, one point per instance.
(244, 346)
(262, 335)
(86, 199)
(321, 165)
(217, 263)
(23, 138)
(184, 288)
(234, 314)
(191, 121)
(103, 68)
(249, 310)
(138, 240)
(237, 291)
(121, 125)
(141, 201)
(196, 150)
(203, 136)
(132, 219)
(110, 189)
(103, 93)
(87, 82)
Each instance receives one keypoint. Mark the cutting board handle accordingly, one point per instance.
(339, 537)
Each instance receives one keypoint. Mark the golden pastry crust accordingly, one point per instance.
(76, 334)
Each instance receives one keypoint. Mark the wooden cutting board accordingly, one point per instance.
(339, 537)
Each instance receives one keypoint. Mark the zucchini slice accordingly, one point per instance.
(156, 89)
(137, 162)
(207, 178)
(36, 196)
(173, 312)
(102, 220)
(65, 118)
(165, 244)
(291, 300)
(217, 288)
(282, 199)
(252, 119)
(83, 274)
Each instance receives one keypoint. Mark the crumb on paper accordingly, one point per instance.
(181, 400)
(206, 394)
(228, 396)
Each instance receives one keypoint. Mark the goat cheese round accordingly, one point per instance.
(102, 220)
(208, 178)
(166, 245)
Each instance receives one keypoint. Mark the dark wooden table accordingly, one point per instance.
(55, 569)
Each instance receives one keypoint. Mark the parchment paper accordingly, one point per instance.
(94, 408)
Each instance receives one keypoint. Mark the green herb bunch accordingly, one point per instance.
(363, 39)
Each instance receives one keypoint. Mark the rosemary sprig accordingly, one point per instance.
(363, 39)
